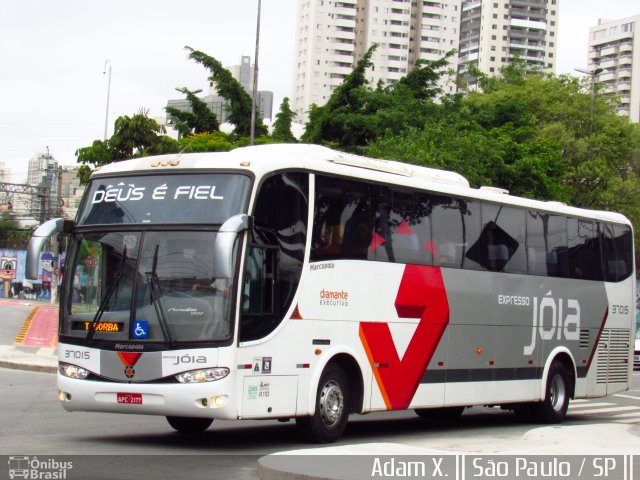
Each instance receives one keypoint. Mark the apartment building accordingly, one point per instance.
(614, 62)
(494, 33)
(332, 35)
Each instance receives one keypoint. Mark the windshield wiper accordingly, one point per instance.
(105, 300)
(154, 282)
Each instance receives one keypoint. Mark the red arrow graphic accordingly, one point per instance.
(421, 295)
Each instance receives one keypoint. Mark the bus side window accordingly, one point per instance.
(258, 290)
(547, 244)
(357, 223)
(585, 249)
(343, 223)
(618, 245)
(456, 228)
(274, 263)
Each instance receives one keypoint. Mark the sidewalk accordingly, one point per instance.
(32, 343)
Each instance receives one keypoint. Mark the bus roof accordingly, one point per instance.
(263, 159)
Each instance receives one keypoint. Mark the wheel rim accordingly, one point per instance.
(331, 403)
(558, 393)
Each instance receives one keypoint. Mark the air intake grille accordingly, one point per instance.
(584, 338)
(613, 356)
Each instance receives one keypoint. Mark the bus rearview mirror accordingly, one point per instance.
(225, 242)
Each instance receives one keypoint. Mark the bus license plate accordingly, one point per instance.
(130, 398)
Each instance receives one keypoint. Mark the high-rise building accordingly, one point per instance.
(43, 172)
(331, 36)
(614, 62)
(494, 33)
(70, 191)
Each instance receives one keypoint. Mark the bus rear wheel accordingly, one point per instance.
(189, 424)
(331, 415)
(553, 409)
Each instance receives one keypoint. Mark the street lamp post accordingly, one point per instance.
(593, 76)
(106, 116)
(254, 99)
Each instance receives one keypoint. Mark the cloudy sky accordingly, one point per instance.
(53, 92)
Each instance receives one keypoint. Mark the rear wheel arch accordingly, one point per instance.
(563, 356)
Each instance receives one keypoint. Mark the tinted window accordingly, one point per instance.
(402, 227)
(546, 244)
(618, 245)
(456, 226)
(584, 249)
(556, 245)
(501, 245)
(343, 224)
(274, 264)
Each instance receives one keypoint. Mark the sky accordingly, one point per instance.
(53, 85)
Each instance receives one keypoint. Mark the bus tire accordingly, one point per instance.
(553, 409)
(189, 424)
(441, 414)
(329, 421)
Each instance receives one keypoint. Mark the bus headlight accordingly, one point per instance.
(203, 375)
(72, 371)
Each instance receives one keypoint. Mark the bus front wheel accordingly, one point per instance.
(329, 420)
(189, 424)
(553, 408)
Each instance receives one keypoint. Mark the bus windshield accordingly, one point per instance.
(156, 286)
(205, 198)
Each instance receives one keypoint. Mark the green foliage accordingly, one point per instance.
(532, 134)
(11, 235)
(357, 115)
(282, 125)
(199, 120)
(135, 136)
(208, 142)
(238, 100)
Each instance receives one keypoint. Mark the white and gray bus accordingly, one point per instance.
(294, 281)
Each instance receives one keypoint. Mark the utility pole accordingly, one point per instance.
(254, 99)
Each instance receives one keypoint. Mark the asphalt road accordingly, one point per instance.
(121, 446)
(33, 423)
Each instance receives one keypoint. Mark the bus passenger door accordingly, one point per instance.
(269, 347)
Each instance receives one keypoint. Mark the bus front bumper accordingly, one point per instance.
(202, 400)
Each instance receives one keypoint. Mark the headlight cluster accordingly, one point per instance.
(72, 371)
(203, 375)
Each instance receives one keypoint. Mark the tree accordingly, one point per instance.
(238, 100)
(340, 120)
(530, 133)
(282, 125)
(11, 235)
(199, 120)
(357, 115)
(134, 136)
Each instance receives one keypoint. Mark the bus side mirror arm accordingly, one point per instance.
(38, 240)
(225, 241)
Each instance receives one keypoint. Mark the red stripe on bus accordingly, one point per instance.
(421, 295)
(595, 346)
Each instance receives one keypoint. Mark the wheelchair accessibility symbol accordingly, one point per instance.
(140, 329)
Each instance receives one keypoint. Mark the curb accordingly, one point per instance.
(29, 367)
